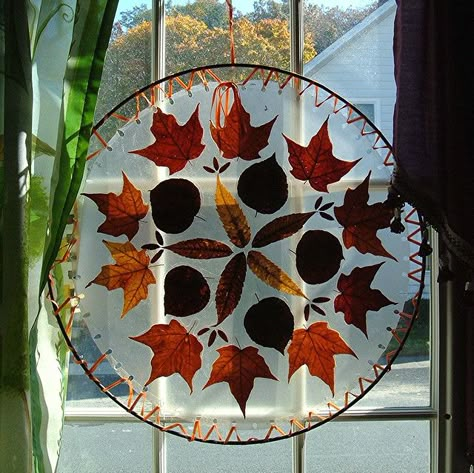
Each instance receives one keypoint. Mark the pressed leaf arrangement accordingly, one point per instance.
(225, 295)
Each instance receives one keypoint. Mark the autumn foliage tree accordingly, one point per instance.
(197, 34)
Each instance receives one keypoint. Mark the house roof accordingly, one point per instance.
(345, 40)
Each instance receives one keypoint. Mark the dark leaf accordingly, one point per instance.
(224, 167)
(215, 163)
(318, 256)
(156, 257)
(280, 228)
(263, 186)
(159, 238)
(326, 206)
(200, 248)
(174, 204)
(318, 203)
(230, 286)
(326, 216)
(318, 309)
(223, 335)
(306, 312)
(150, 246)
(270, 323)
(186, 291)
(319, 300)
(212, 338)
(208, 169)
(203, 331)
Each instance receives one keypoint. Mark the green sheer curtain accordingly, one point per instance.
(51, 62)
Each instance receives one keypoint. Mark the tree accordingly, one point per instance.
(326, 25)
(138, 14)
(197, 34)
(211, 12)
(269, 10)
(127, 67)
(189, 43)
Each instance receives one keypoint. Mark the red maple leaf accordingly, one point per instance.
(175, 144)
(361, 221)
(316, 162)
(239, 368)
(315, 347)
(237, 137)
(123, 212)
(175, 350)
(357, 298)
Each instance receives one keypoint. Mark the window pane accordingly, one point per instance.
(408, 383)
(369, 447)
(105, 447)
(197, 33)
(127, 67)
(354, 44)
(183, 456)
(127, 64)
(368, 109)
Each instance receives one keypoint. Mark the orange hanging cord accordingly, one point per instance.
(231, 30)
(221, 101)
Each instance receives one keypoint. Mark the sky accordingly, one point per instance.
(247, 5)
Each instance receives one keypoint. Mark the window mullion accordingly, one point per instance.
(297, 36)
(158, 71)
(159, 451)
(298, 453)
(158, 40)
(434, 353)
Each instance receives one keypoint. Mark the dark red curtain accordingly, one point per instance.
(433, 131)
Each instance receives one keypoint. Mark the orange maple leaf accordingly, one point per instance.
(175, 144)
(239, 368)
(315, 347)
(175, 350)
(123, 212)
(237, 137)
(131, 273)
(316, 162)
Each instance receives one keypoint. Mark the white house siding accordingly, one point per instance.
(359, 66)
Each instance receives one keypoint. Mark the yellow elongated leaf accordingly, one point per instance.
(272, 274)
(231, 215)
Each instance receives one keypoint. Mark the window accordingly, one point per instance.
(393, 428)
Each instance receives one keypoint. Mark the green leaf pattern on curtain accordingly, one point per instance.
(64, 54)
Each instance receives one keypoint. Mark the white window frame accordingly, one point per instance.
(437, 359)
